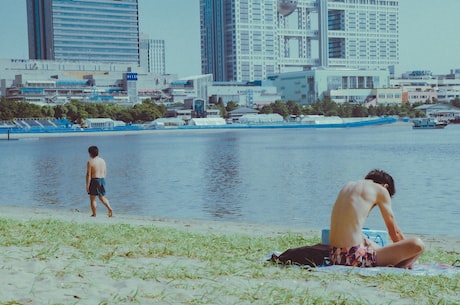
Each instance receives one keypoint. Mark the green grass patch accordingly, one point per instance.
(208, 268)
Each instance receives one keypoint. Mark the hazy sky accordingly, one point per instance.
(429, 38)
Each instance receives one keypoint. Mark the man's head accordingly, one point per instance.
(93, 151)
(381, 177)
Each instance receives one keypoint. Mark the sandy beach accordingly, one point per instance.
(58, 271)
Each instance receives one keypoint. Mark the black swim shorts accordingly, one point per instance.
(97, 187)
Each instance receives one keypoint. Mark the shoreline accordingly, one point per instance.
(446, 242)
(34, 135)
(53, 133)
(194, 225)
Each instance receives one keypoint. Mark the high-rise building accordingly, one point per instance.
(84, 30)
(245, 40)
(152, 55)
(359, 34)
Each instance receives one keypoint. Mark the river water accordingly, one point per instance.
(265, 176)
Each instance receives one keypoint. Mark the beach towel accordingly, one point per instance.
(309, 257)
(433, 269)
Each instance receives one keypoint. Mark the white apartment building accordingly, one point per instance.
(341, 85)
(248, 40)
(152, 55)
(420, 86)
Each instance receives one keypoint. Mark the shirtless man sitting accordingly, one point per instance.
(95, 180)
(348, 246)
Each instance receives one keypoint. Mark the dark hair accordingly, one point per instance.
(93, 151)
(381, 177)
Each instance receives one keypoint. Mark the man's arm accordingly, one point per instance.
(393, 229)
(384, 203)
(104, 169)
(88, 176)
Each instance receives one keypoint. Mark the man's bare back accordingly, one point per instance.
(352, 207)
(97, 167)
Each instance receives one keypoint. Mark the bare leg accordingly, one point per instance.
(93, 204)
(402, 254)
(107, 205)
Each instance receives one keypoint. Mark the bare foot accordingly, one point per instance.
(93, 215)
(110, 213)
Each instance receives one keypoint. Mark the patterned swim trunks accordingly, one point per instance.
(362, 255)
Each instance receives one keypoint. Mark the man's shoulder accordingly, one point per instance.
(358, 183)
(366, 188)
(369, 184)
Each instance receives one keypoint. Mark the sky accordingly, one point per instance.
(429, 38)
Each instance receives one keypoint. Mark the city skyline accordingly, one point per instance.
(427, 33)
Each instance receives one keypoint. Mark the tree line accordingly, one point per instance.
(76, 111)
(328, 107)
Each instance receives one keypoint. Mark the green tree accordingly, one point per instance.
(325, 107)
(359, 111)
(27, 110)
(346, 110)
(307, 110)
(266, 109)
(125, 115)
(6, 109)
(372, 111)
(231, 106)
(60, 112)
(47, 111)
(294, 108)
(280, 108)
(92, 110)
(146, 112)
(419, 113)
(72, 112)
(456, 102)
(221, 107)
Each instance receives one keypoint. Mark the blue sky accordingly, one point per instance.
(429, 38)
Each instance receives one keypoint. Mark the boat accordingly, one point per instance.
(428, 123)
(455, 120)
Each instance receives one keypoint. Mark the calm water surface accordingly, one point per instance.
(266, 176)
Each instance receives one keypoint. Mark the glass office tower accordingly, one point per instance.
(84, 30)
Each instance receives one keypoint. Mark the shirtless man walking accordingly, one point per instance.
(95, 180)
(348, 246)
